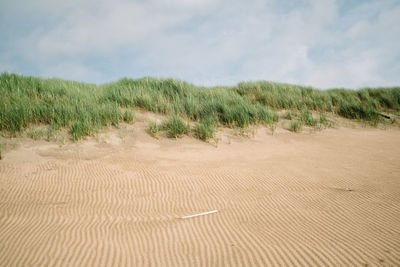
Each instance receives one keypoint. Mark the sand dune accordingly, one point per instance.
(330, 198)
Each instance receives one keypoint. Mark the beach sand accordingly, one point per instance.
(326, 198)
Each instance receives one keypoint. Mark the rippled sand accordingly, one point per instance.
(326, 198)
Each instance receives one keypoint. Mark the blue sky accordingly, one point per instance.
(321, 43)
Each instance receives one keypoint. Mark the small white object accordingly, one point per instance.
(199, 214)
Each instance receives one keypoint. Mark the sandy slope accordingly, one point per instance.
(326, 198)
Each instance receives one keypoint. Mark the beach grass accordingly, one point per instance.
(295, 126)
(129, 116)
(154, 129)
(307, 118)
(205, 130)
(175, 127)
(85, 108)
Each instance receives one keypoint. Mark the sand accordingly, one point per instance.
(310, 199)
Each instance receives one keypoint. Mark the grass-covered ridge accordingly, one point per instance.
(85, 108)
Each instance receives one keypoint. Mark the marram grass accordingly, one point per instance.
(175, 127)
(85, 108)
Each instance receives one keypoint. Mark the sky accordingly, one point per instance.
(319, 43)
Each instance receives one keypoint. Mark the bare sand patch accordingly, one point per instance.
(323, 198)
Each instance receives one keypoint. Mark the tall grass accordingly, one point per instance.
(129, 116)
(287, 96)
(85, 108)
(175, 127)
(154, 129)
(206, 128)
(295, 126)
(307, 118)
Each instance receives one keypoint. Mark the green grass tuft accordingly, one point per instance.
(307, 118)
(128, 116)
(324, 121)
(52, 130)
(36, 133)
(154, 129)
(288, 115)
(205, 130)
(295, 126)
(80, 129)
(175, 127)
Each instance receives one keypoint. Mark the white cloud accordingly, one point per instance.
(103, 28)
(213, 42)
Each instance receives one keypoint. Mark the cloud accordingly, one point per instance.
(103, 28)
(323, 43)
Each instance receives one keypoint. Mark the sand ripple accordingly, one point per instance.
(323, 203)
